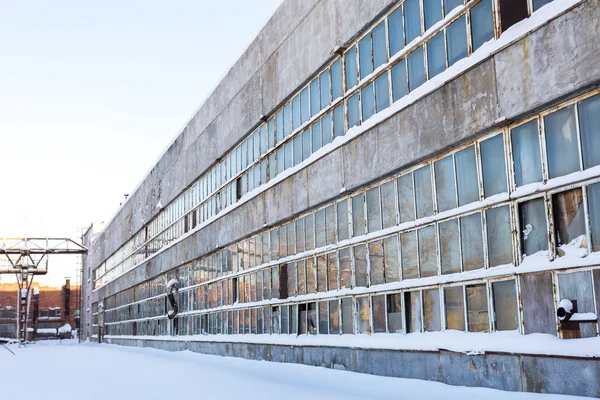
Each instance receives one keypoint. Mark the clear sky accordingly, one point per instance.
(92, 92)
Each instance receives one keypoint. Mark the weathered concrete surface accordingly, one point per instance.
(542, 374)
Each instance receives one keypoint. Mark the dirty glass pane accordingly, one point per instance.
(274, 244)
(320, 228)
(300, 235)
(499, 237)
(297, 150)
(304, 105)
(291, 280)
(309, 225)
(412, 301)
(561, 142)
(275, 281)
(396, 31)
(295, 113)
(477, 308)
(526, 153)
(373, 209)
(345, 268)
(283, 241)
(457, 40)
(505, 305)
(332, 271)
(423, 192)
(336, 79)
(534, 232)
(347, 316)
(399, 88)
(436, 53)
(293, 319)
(326, 128)
(351, 68)
(589, 125)
(455, 308)
(427, 251)
(321, 273)
(338, 121)
(445, 184)
(288, 155)
(311, 275)
(301, 268)
(394, 313)
(315, 97)
(330, 224)
(540, 3)
(323, 318)
(466, 176)
(279, 126)
(312, 318)
(353, 111)
(593, 195)
(450, 5)
(275, 320)
(449, 247)
(409, 255)
(493, 166)
(578, 286)
(364, 56)
(378, 313)
(471, 238)
(376, 262)
(358, 215)
(382, 92)
(412, 19)
(406, 198)
(433, 12)
(388, 200)
(334, 317)
(316, 136)
(379, 45)
(360, 265)
(267, 284)
(325, 95)
(272, 165)
(482, 23)
(287, 120)
(342, 220)
(569, 218)
(431, 310)
(416, 69)
(363, 314)
(367, 96)
(390, 259)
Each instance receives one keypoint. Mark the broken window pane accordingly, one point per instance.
(396, 31)
(390, 259)
(423, 192)
(561, 142)
(302, 326)
(526, 153)
(589, 125)
(394, 312)
(312, 318)
(593, 195)
(457, 40)
(511, 12)
(433, 12)
(345, 268)
(455, 308)
(275, 319)
(360, 265)
(436, 52)
(378, 313)
(347, 316)
(323, 318)
(332, 271)
(376, 262)
(311, 275)
(578, 286)
(416, 69)
(412, 300)
(320, 234)
(334, 317)
(427, 251)
(477, 309)
(321, 273)
(466, 176)
(505, 305)
(412, 19)
(471, 238)
(493, 165)
(309, 226)
(342, 220)
(449, 247)
(409, 255)
(373, 209)
(431, 310)
(301, 268)
(330, 224)
(363, 312)
(499, 237)
(534, 232)
(445, 185)
(406, 198)
(358, 215)
(399, 87)
(569, 218)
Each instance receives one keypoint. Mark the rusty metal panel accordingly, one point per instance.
(538, 303)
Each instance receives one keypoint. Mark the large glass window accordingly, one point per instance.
(466, 176)
(315, 97)
(499, 237)
(334, 317)
(410, 268)
(569, 218)
(360, 265)
(449, 246)
(353, 111)
(379, 325)
(406, 198)
(416, 69)
(471, 238)
(347, 316)
(412, 302)
(311, 276)
(345, 268)
(338, 121)
(433, 12)
(382, 92)
(321, 273)
(358, 215)
(300, 235)
(394, 313)
(562, 142)
(445, 183)
(477, 308)
(399, 87)
(376, 262)
(449, 5)
(505, 305)
(320, 228)
(593, 195)
(390, 259)
(332, 271)
(351, 69)
(412, 19)
(396, 31)
(457, 40)
(367, 96)
(526, 153)
(379, 45)
(301, 271)
(306, 144)
(342, 220)
(493, 166)
(324, 87)
(323, 318)
(534, 232)
(427, 251)
(336, 79)
(455, 308)
(373, 209)
(330, 224)
(482, 23)
(423, 191)
(589, 125)
(364, 56)
(304, 100)
(388, 204)
(431, 310)
(291, 280)
(309, 225)
(436, 52)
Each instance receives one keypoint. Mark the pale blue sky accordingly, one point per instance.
(92, 92)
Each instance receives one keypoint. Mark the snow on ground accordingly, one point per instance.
(101, 372)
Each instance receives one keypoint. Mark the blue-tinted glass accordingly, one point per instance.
(382, 92)
(396, 31)
(379, 48)
(315, 97)
(561, 142)
(416, 69)
(316, 136)
(445, 184)
(466, 176)
(279, 123)
(306, 144)
(364, 56)
(336, 79)
(350, 61)
(423, 192)
(287, 120)
(482, 24)
(324, 84)
(271, 132)
(449, 5)
(326, 128)
(272, 166)
(493, 165)
(399, 88)
(304, 105)
(412, 19)
(368, 102)
(540, 3)
(433, 12)
(288, 155)
(589, 125)
(338, 121)
(457, 40)
(244, 148)
(280, 160)
(263, 138)
(295, 112)
(353, 111)
(436, 55)
(297, 149)
(526, 153)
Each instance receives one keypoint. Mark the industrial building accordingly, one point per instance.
(405, 188)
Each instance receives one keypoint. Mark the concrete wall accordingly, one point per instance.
(532, 373)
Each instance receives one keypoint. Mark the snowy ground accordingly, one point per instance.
(105, 372)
